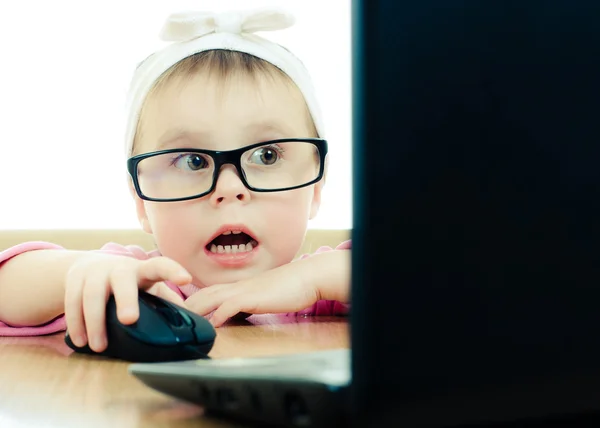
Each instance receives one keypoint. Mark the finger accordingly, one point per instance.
(204, 307)
(161, 269)
(259, 303)
(227, 310)
(74, 309)
(95, 295)
(123, 283)
(163, 291)
(204, 302)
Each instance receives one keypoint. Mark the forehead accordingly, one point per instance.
(208, 110)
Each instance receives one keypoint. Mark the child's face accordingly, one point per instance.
(210, 113)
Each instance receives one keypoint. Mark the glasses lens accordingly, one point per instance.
(175, 175)
(281, 165)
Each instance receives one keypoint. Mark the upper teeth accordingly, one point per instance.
(231, 248)
(229, 232)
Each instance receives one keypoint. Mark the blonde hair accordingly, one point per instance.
(223, 64)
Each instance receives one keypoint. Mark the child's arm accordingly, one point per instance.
(32, 283)
(288, 288)
(37, 285)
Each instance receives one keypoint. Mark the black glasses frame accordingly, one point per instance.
(232, 157)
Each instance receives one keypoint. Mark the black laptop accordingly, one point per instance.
(476, 231)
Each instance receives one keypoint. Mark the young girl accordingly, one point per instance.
(227, 164)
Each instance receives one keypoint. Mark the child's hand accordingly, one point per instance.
(94, 277)
(279, 290)
(288, 288)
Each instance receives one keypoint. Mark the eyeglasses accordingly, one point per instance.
(270, 166)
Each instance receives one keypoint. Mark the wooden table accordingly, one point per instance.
(44, 384)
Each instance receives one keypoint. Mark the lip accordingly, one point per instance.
(231, 228)
(232, 259)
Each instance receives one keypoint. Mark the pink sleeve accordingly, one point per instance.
(326, 307)
(58, 324)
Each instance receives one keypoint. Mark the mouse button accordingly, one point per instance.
(150, 328)
(187, 319)
(189, 331)
(169, 311)
(157, 336)
(153, 327)
(204, 331)
(171, 316)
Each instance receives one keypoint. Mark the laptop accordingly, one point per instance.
(476, 230)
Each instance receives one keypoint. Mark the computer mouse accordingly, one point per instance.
(163, 332)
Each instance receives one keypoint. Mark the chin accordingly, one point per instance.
(228, 277)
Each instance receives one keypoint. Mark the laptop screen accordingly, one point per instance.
(476, 240)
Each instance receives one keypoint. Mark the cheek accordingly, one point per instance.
(174, 227)
(285, 223)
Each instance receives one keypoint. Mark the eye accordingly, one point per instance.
(265, 155)
(190, 161)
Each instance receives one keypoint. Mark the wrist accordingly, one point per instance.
(328, 274)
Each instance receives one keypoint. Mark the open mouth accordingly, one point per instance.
(232, 242)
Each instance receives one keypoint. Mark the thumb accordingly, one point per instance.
(162, 269)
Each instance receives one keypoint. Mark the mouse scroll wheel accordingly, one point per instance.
(172, 317)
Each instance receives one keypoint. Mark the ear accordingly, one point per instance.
(316, 199)
(140, 209)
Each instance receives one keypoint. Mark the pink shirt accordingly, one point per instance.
(322, 307)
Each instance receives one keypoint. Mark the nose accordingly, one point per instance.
(229, 187)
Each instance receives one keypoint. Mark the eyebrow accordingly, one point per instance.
(174, 137)
(266, 127)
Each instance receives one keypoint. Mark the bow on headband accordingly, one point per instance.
(185, 26)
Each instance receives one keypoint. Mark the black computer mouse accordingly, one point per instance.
(163, 332)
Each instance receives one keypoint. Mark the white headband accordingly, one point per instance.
(194, 32)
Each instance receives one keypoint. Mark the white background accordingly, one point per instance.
(64, 70)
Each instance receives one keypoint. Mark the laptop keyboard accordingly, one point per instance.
(332, 367)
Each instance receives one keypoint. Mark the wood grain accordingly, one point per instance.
(44, 384)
